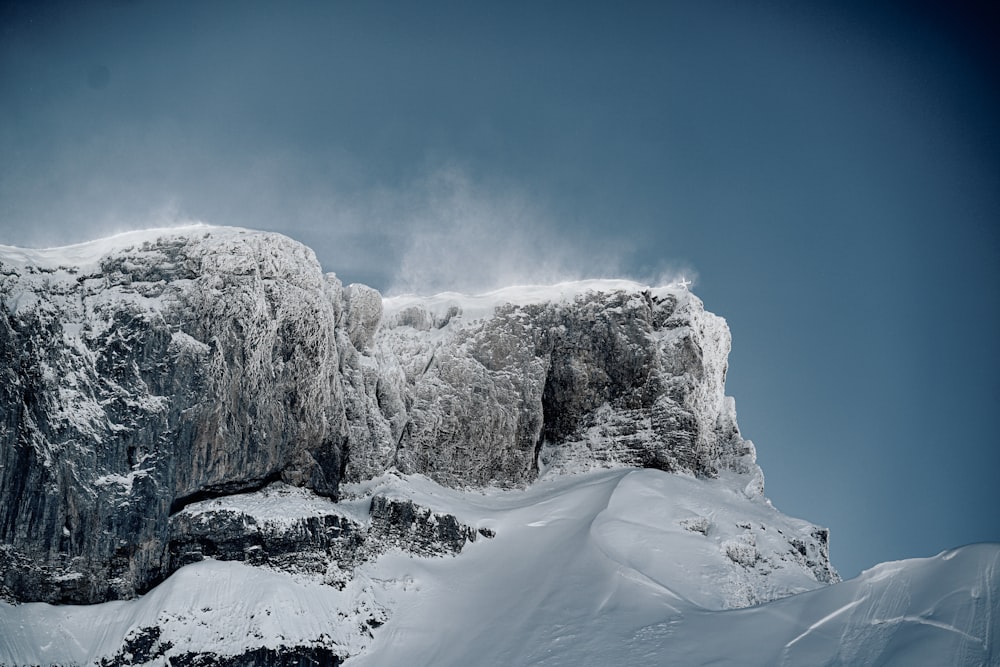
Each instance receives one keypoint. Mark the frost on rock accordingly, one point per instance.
(608, 374)
(142, 372)
(292, 530)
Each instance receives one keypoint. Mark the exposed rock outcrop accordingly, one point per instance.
(294, 531)
(577, 376)
(408, 526)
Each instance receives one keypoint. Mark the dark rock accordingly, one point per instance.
(307, 544)
(284, 656)
(403, 524)
(143, 645)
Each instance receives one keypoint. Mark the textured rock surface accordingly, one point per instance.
(591, 375)
(140, 377)
(145, 648)
(154, 370)
(293, 531)
(307, 544)
(405, 525)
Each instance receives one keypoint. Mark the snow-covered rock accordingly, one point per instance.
(210, 438)
(242, 462)
(292, 530)
(155, 369)
(146, 370)
(498, 387)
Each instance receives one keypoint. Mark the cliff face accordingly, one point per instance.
(145, 375)
(152, 370)
(494, 389)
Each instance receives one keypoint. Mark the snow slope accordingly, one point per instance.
(629, 567)
(600, 570)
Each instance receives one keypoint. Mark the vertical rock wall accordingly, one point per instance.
(146, 376)
(613, 374)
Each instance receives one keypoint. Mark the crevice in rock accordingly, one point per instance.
(345, 455)
(223, 490)
(539, 443)
(403, 432)
(430, 361)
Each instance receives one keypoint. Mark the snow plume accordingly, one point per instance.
(165, 215)
(666, 273)
(444, 228)
(462, 236)
(451, 232)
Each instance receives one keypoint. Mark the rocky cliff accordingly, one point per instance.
(149, 372)
(495, 388)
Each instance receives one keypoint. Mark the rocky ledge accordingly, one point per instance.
(293, 530)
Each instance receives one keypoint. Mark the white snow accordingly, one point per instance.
(86, 257)
(208, 606)
(125, 482)
(601, 569)
(276, 503)
(477, 306)
(595, 569)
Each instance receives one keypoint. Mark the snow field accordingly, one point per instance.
(610, 567)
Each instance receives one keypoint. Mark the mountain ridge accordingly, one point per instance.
(168, 391)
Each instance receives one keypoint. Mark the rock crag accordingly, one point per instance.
(144, 375)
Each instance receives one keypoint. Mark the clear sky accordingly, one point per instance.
(829, 174)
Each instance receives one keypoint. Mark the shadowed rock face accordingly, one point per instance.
(620, 377)
(166, 368)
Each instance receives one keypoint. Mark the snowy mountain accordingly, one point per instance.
(213, 453)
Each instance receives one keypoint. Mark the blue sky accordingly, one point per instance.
(829, 173)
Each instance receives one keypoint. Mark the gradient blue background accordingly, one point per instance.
(828, 171)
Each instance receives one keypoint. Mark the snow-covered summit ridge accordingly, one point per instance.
(475, 306)
(87, 255)
(152, 259)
